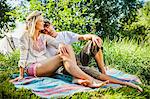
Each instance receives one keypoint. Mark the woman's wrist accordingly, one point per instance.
(21, 71)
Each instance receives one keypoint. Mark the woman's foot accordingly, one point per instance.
(94, 84)
(97, 83)
(81, 81)
(134, 86)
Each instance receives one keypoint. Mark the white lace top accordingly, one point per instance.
(35, 51)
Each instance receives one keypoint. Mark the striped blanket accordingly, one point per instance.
(60, 85)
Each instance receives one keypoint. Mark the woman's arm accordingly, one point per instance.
(20, 76)
(23, 57)
(21, 69)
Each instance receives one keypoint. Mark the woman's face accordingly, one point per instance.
(40, 23)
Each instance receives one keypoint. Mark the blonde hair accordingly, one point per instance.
(31, 22)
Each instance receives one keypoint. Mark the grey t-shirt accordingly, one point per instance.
(65, 37)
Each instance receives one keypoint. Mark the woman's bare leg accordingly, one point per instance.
(70, 65)
(49, 66)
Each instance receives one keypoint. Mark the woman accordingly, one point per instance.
(35, 61)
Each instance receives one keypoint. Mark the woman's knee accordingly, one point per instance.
(69, 47)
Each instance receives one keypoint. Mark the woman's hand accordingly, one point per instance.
(97, 41)
(61, 48)
(16, 79)
(21, 69)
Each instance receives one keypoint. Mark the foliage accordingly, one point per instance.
(8, 66)
(109, 12)
(5, 19)
(140, 27)
(110, 93)
(10, 61)
(129, 56)
(100, 17)
(20, 11)
(66, 15)
(8, 91)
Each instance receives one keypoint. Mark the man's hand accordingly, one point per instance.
(16, 79)
(97, 41)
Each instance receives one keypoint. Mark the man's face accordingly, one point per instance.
(49, 29)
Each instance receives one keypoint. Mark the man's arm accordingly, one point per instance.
(95, 39)
(86, 37)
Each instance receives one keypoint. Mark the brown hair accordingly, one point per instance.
(47, 22)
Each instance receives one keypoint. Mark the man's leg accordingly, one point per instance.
(97, 54)
(100, 61)
(89, 51)
(116, 81)
(103, 77)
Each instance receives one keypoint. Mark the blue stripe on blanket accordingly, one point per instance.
(60, 85)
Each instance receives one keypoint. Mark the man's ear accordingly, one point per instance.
(53, 28)
(42, 31)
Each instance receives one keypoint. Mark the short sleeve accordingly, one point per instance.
(23, 44)
(73, 36)
(51, 41)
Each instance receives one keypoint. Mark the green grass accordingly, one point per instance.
(128, 56)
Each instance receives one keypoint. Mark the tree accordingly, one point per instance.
(140, 28)
(4, 17)
(86, 16)
(110, 12)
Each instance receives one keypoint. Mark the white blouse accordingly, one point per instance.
(35, 51)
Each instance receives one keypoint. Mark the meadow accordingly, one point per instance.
(123, 54)
(124, 26)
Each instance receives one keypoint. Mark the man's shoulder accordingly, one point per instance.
(65, 32)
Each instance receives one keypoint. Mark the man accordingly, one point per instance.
(93, 48)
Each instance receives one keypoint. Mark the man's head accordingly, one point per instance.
(48, 27)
